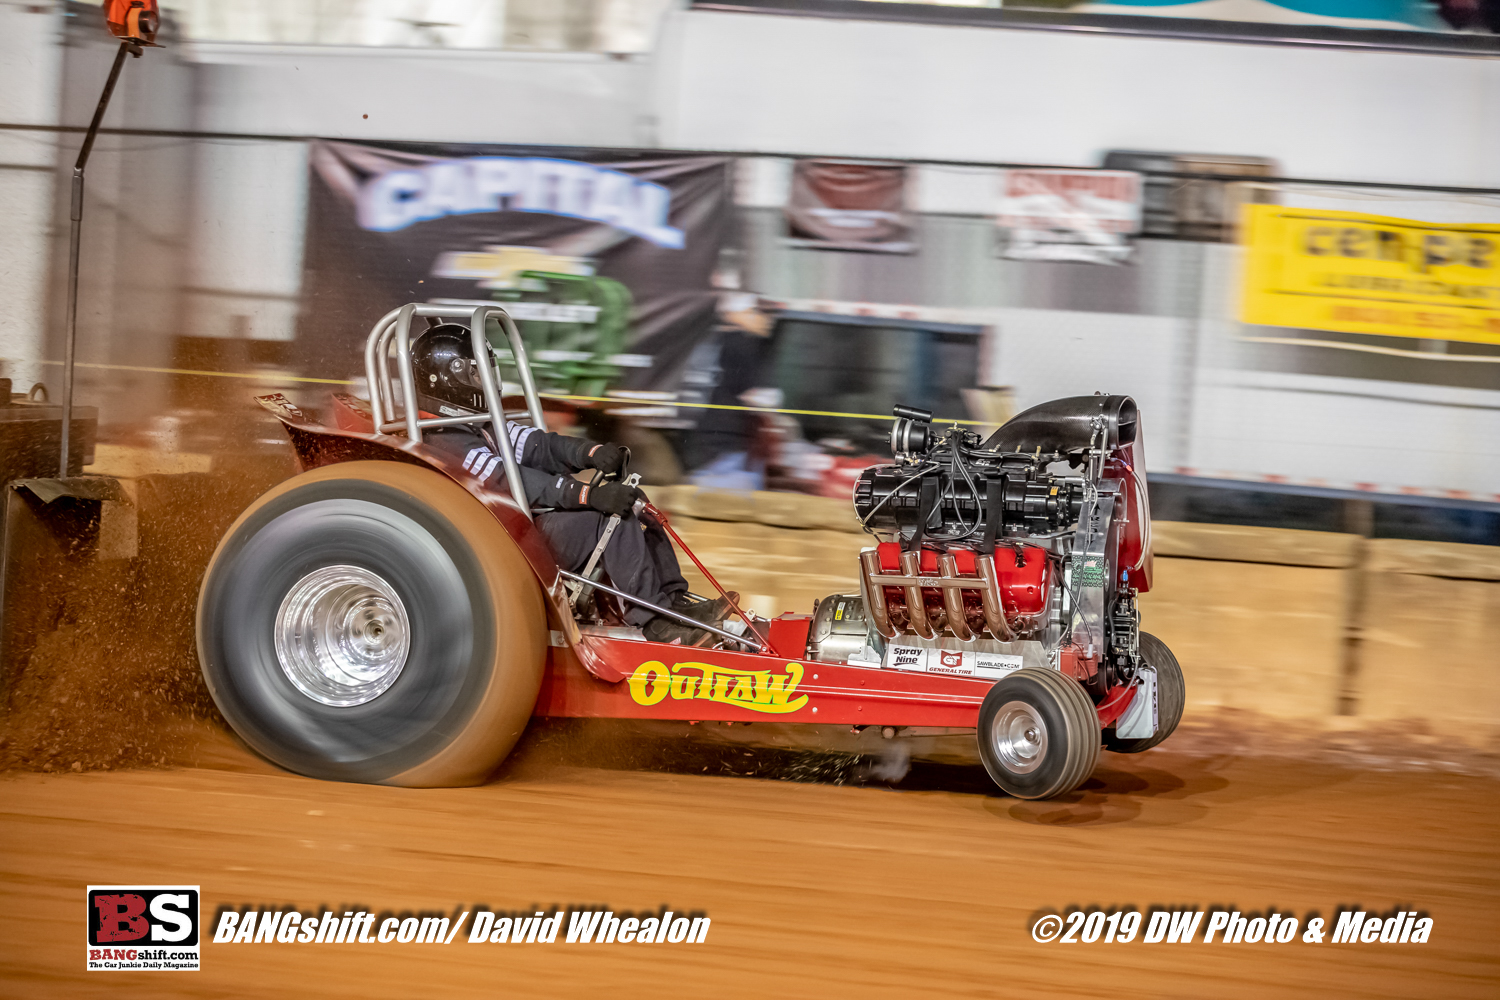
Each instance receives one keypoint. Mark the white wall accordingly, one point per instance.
(1203, 415)
(769, 84)
(1347, 433)
(1208, 411)
(1047, 353)
(772, 84)
(246, 228)
(424, 95)
(29, 93)
(449, 23)
(250, 197)
(756, 83)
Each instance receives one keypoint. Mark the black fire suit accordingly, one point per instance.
(638, 559)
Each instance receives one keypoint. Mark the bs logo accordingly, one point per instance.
(144, 916)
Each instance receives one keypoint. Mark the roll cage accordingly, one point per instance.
(389, 347)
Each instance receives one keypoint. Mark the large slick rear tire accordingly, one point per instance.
(1038, 733)
(372, 622)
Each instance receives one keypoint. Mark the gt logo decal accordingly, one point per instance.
(757, 690)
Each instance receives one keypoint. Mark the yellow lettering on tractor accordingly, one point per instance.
(757, 690)
(683, 686)
(649, 683)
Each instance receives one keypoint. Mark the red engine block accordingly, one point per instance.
(1024, 576)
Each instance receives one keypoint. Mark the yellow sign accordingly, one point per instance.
(1370, 274)
(757, 690)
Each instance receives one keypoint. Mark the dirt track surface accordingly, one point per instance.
(815, 890)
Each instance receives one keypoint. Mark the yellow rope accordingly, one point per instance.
(1373, 349)
(615, 400)
(750, 409)
(189, 371)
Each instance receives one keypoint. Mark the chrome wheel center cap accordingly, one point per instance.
(342, 636)
(1020, 737)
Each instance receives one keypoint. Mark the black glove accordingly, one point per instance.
(607, 458)
(612, 498)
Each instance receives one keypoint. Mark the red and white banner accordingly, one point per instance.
(1070, 215)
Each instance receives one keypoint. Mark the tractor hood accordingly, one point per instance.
(1066, 425)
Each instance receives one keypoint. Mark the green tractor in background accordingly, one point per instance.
(575, 339)
(574, 323)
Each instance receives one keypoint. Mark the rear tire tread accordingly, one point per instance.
(478, 629)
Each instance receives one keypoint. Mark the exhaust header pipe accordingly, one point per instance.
(950, 582)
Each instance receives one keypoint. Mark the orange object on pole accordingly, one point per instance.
(133, 20)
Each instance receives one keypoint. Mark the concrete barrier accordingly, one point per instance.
(1252, 636)
(1242, 544)
(1429, 638)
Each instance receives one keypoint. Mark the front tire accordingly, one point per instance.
(372, 622)
(1171, 694)
(1038, 733)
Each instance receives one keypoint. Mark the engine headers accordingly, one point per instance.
(949, 580)
(959, 591)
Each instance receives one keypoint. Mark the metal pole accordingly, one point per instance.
(75, 237)
(497, 411)
(378, 372)
(403, 369)
(523, 368)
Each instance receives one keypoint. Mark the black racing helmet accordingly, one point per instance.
(447, 376)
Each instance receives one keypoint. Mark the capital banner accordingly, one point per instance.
(604, 260)
(1354, 273)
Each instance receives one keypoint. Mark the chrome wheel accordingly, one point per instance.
(342, 636)
(1038, 733)
(1019, 737)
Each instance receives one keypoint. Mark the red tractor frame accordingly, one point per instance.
(384, 617)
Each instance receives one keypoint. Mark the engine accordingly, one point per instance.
(956, 492)
(1035, 539)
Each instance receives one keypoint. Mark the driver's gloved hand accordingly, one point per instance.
(612, 498)
(607, 458)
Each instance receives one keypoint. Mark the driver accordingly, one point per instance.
(572, 514)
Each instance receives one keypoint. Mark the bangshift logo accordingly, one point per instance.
(143, 928)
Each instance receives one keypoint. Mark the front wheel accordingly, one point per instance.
(1171, 693)
(372, 622)
(1038, 733)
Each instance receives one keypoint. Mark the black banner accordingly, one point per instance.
(605, 261)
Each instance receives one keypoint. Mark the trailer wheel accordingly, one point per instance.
(1171, 693)
(1038, 733)
(372, 622)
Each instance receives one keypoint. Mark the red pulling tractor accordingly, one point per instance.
(384, 617)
